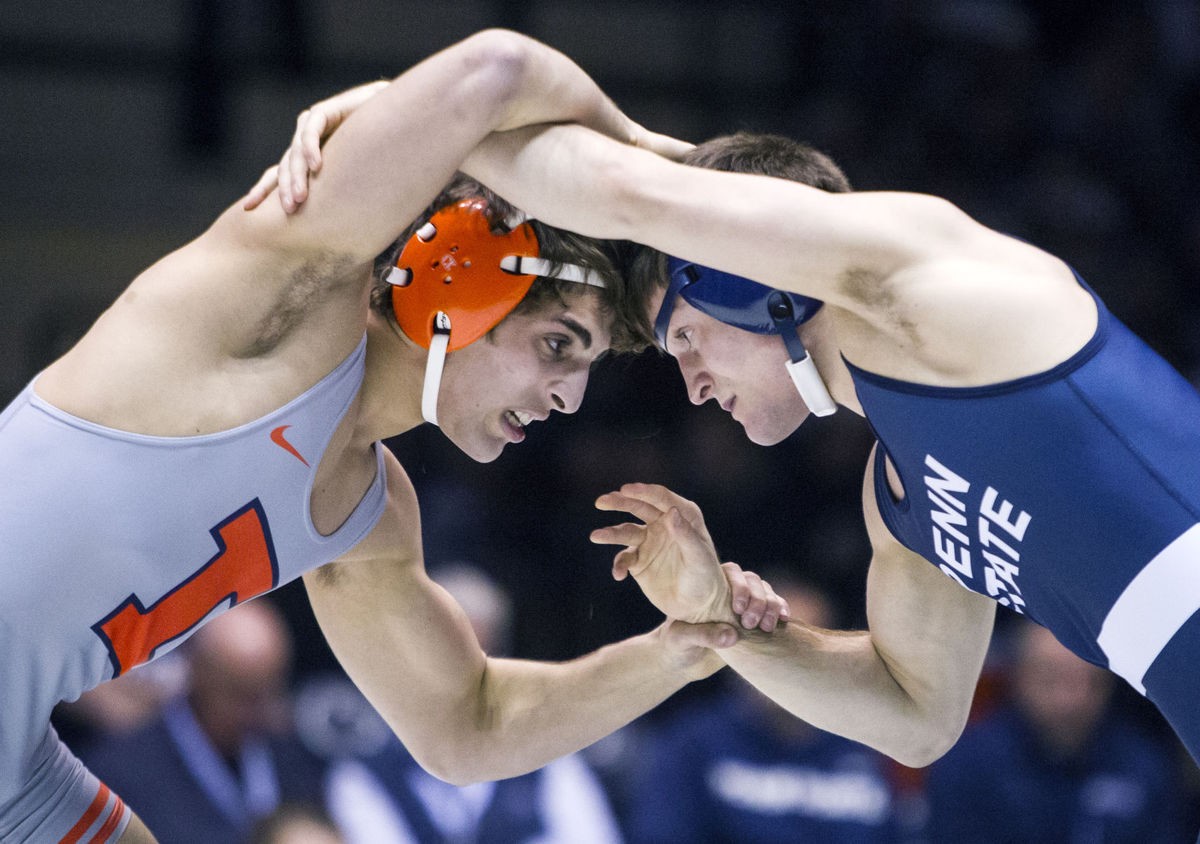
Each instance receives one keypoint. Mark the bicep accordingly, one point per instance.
(837, 247)
(931, 633)
(762, 228)
(403, 640)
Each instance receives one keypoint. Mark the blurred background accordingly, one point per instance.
(126, 127)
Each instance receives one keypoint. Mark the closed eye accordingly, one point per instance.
(684, 336)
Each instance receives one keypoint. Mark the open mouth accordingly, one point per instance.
(515, 422)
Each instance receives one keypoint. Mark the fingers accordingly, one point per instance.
(756, 603)
(639, 509)
(626, 533)
(623, 562)
(657, 495)
(629, 535)
(739, 589)
(309, 136)
(649, 501)
(753, 599)
(666, 146)
(262, 188)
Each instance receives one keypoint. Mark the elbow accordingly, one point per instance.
(926, 743)
(494, 65)
(449, 763)
(455, 774)
(923, 753)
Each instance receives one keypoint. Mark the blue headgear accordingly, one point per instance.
(750, 306)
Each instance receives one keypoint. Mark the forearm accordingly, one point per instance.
(466, 717)
(837, 681)
(566, 176)
(400, 146)
(531, 713)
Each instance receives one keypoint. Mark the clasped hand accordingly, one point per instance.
(672, 558)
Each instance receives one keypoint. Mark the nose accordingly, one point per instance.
(699, 382)
(566, 394)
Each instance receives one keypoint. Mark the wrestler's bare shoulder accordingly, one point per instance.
(213, 335)
(999, 311)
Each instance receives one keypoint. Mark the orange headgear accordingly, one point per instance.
(456, 279)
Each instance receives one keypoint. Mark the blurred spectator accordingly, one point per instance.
(387, 798)
(295, 824)
(742, 769)
(1053, 765)
(221, 756)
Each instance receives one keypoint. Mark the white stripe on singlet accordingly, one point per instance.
(1153, 607)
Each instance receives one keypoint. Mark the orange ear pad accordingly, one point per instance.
(456, 269)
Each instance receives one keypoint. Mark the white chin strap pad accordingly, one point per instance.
(812, 389)
(434, 365)
(524, 265)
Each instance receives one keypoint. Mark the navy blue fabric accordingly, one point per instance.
(1101, 454)
(728, 298)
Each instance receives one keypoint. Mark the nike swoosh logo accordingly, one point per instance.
(277, 438)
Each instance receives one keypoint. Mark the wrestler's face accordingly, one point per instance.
(527, 367)
(744, 373)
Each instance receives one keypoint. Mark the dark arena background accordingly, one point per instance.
(127, 127)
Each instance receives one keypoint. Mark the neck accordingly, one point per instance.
(390, 398)
(821, 339)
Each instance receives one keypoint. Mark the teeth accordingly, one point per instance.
(520, 418)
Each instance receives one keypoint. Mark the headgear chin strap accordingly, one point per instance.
(456, 279)
(752, 307)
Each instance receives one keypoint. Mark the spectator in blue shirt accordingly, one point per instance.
(742, 769)
(1053, 765)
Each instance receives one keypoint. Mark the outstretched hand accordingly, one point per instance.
(302, 159)
(672, 557)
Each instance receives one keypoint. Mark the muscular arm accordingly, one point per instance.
(263, 303)
(913, 269)
(396, 150)
(577, 179)
(904, 686)
(466, 716)
(402, 145)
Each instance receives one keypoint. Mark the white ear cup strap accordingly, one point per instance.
(434, 365)
(540, 266)
(811, 387)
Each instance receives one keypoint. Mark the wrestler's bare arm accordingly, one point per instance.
(465, 716)
(263, 298)
(915, 272)
(904, 686)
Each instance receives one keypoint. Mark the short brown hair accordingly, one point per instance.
(770, 155)
(622, 298)
(749, 152)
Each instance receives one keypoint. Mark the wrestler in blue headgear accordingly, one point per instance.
(752, 307)
(738, 301)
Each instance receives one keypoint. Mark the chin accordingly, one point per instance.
(479, 449)
(773, 434)
(486, 452)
